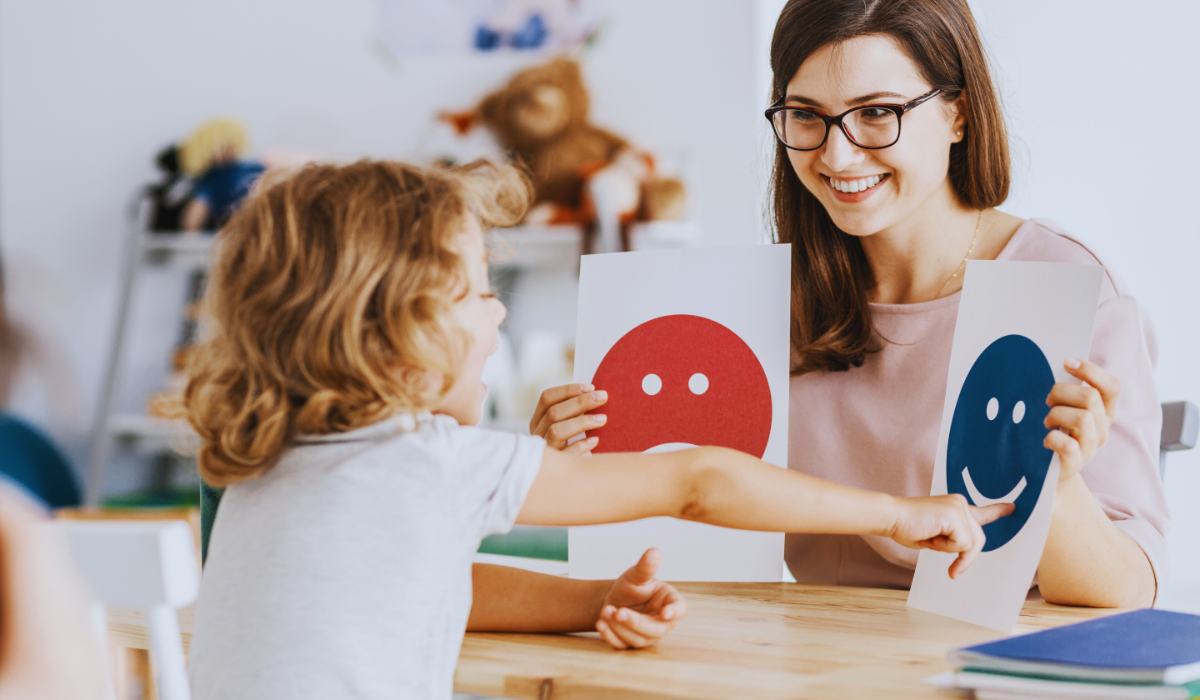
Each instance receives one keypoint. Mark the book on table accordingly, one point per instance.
(1002, 686)
(1139, 655)
(1143, 646)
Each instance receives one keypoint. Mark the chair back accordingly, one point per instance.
(1181, 423)
(146, 565)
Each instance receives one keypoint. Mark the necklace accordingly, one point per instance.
(963, 264)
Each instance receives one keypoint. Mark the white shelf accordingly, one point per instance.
(136, 428)
(192, 247)
(552, 247)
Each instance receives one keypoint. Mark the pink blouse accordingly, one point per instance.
(876, 426)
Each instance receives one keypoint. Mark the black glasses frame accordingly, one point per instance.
(899, 110)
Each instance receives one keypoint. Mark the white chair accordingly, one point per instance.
(146, 565)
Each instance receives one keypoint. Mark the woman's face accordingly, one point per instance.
(912, 173)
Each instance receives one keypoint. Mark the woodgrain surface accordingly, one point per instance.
(761, 640)
(739, 640)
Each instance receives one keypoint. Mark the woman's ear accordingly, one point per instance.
(958, 122)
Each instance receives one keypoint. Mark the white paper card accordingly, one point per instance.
(692, 346)
(1017, 323)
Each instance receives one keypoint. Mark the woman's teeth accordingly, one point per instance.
(852, 186)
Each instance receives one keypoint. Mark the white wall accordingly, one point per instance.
(90, 91)
(1099, 98)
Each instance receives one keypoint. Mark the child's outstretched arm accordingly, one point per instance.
(728, 488)
(634, 611)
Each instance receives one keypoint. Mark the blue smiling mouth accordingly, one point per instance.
(981, 500)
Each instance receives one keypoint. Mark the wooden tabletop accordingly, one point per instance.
(748, 640)
(739, 640)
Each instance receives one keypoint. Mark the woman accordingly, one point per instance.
(881, 230)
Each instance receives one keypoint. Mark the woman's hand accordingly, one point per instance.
(946, 524)
(639, 609)
(562, 413)
(1080, 415)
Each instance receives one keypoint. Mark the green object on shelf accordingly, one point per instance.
(188, 497)
(529, 541)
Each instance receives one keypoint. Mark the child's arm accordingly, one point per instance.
(731, 489)
(636, 610)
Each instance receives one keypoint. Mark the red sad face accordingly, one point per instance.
(683, 381)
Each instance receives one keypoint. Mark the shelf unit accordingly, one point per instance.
(110, 430)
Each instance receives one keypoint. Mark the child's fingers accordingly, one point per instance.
(623, 629)
(963, 562)
(667, 603)
(1104, 381)
(609, 636)
(552, 397)
(987, 514)
(643, 571)
(676, 609)
(645, 626)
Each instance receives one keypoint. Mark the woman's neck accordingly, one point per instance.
(916, 259)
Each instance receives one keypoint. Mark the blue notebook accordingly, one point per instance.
(1143, 646)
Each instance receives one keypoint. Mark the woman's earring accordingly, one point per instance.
(960, 133)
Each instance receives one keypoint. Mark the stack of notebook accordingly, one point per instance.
(1151, 654)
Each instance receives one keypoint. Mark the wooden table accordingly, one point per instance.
(739, 640)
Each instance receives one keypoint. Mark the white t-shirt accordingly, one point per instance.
(345, 570)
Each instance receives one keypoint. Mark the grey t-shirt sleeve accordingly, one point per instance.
(496, 470)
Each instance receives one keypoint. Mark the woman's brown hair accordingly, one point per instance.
(831, 277)
(329, 304)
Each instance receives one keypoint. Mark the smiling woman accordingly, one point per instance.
(891, 156)
(883, 203)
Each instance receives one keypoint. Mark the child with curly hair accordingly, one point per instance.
(336, 397)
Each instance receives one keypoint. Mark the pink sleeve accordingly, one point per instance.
(1123, 475)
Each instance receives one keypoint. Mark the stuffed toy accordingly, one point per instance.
(579, 170)
(214, 157)
(170, 196)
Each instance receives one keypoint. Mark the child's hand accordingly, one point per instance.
(1080, 415)
(945, 524)
(639, 609)
(562, 413)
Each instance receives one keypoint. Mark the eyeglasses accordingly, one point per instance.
(869, 126)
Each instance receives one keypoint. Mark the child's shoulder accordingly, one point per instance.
(417, 442)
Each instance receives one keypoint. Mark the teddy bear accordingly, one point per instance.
(580, 171)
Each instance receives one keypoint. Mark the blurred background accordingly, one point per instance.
(91, 94)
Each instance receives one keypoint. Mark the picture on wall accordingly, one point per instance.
(483, 26)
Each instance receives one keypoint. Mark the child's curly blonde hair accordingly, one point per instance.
(329, 304)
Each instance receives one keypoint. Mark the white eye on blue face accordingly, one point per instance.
(993, 410)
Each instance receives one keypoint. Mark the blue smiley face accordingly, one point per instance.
(995, 453)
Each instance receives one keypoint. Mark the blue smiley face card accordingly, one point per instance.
(1018, 322)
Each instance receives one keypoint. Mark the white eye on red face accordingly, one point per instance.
(652, 384)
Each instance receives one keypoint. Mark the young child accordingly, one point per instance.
(350, 317)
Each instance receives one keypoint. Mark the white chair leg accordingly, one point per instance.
(98, 618)
(166, 647)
